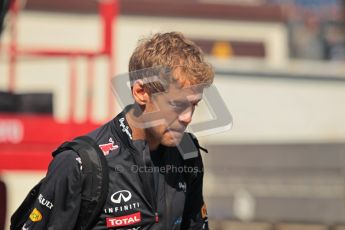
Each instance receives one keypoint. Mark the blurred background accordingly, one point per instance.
(280, 68)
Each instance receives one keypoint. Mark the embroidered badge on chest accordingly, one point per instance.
(108, 147)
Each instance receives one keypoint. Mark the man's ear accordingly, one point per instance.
(139, 93)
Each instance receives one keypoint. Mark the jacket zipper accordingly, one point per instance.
(166, 196)
(156, 193)
(133, 151)
(148, 194)
(167, 208)
(156, 217)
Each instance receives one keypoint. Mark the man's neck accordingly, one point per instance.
(139, 133)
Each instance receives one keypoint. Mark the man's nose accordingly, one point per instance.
(186, 116)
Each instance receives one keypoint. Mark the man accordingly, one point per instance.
(151, 184)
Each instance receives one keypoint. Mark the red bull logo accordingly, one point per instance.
(106, 148)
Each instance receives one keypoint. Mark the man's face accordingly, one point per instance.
(170, 113)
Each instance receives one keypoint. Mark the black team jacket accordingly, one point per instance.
(147, 190)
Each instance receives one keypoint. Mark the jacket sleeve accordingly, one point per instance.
(58, 203)
(195, 214)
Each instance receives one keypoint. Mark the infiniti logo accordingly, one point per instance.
(123, 195)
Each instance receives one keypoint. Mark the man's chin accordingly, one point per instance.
(171, 141)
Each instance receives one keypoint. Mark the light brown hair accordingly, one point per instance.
(174, 52)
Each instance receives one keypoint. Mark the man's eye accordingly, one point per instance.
(173, 104)
(176, 104)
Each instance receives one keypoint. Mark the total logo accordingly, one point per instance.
(124, 220)
(121, 196)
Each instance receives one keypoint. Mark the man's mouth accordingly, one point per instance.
(176, 130)
(176, 133)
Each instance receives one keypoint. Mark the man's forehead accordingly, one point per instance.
(194, 97)
(192, 93)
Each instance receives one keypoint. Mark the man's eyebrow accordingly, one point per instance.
(195, 101)
(186, 101)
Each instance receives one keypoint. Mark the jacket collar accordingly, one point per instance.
(122, 128)
(124, 131)
(188, 147)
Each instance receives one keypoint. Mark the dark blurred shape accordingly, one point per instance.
(316, 28)
(301, 182)
(236, 225)
(202, 9)
(334, 33)
(229, 48)
(32, 103)
(300, 226)
(4, 6)
(35, 103)
(306, 38)
(178, 8)
(8, 102)
(224, 224)
(76, 6)
(3, 205)
(338, 227)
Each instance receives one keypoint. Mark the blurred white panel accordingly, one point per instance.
(282, 110)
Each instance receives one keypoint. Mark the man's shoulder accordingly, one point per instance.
(66, 157)
(103, 130)
(106, 138)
